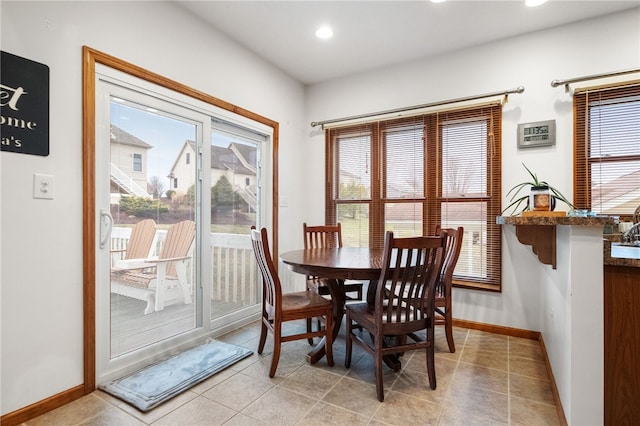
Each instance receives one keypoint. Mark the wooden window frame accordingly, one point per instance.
(432, 200)
(582, 158)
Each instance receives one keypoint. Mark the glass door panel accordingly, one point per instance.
(235, 187)
(152, 191)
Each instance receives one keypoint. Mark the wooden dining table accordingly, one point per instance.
(336, 265)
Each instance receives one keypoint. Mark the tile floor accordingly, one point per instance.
(490, 380)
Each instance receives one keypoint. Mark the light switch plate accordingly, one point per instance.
(43, 186)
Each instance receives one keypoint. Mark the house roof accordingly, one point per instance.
(225, 158)
(247, 153)
(622, 193)
(121, 137)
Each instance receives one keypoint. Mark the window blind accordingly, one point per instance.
(607, 149)
(409, 175)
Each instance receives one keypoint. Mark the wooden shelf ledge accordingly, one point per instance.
(542, 239)
(540, 232)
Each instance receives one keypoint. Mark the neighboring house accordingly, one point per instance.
(128, 164)
(236, 162)
(617, 196)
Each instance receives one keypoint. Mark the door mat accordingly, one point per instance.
(155, 384)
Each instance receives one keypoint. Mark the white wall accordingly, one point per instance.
(531, 291)
(532, 61)
(41, 271)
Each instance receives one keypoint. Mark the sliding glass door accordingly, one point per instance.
(178, 187)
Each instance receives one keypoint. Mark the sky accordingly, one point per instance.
(166, 133)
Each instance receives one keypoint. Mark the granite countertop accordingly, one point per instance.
(577, 221)
(554, 220)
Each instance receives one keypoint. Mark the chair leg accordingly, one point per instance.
(448, 328)
(431, 364)
(277, 334)
(378, 370)
(263, 337)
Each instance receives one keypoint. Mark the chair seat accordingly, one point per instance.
(136, 278)
(300, 304)
(364, 314)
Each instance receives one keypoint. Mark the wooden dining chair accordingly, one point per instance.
(278, 308)
(452, 246)
(327, 236)
(404, 304)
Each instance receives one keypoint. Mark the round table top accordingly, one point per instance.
(351, 263)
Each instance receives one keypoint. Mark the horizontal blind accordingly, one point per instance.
(350, 171)
(607, 149)
(411, 174)
(470, 195)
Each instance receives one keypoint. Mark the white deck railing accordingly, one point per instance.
(233, 268)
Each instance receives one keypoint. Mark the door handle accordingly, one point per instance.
(106, 225)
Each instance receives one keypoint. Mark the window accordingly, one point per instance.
(188, 158)
(137, 162)
(607, 149)
(410, 174)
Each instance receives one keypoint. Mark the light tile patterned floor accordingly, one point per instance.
(490, 380)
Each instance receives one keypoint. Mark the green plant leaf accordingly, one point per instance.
(514, 192)
(516, 205)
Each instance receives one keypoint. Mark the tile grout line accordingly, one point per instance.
(453, 376)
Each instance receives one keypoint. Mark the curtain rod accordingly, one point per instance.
(519, 89)
(556, 83)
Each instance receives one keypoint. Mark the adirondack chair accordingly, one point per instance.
(140, 247)
(165, 281)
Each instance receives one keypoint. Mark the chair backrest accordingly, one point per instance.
(322, 236)
(178, 242)
(271, 288)
(452, 246)
(410, 269)
(142, 236)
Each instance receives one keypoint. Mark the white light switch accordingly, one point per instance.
(43, 186)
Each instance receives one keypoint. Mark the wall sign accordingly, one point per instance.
(24, 105)
(540, 133)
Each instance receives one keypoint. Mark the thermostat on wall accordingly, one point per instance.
(540, 133)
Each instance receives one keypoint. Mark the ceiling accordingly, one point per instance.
(376, 34)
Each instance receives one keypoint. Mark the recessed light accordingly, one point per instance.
(534, 3)
(324, 32)
(437, 1)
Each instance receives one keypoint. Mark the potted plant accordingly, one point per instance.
(542, 196)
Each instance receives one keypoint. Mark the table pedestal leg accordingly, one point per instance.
(336, 289)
